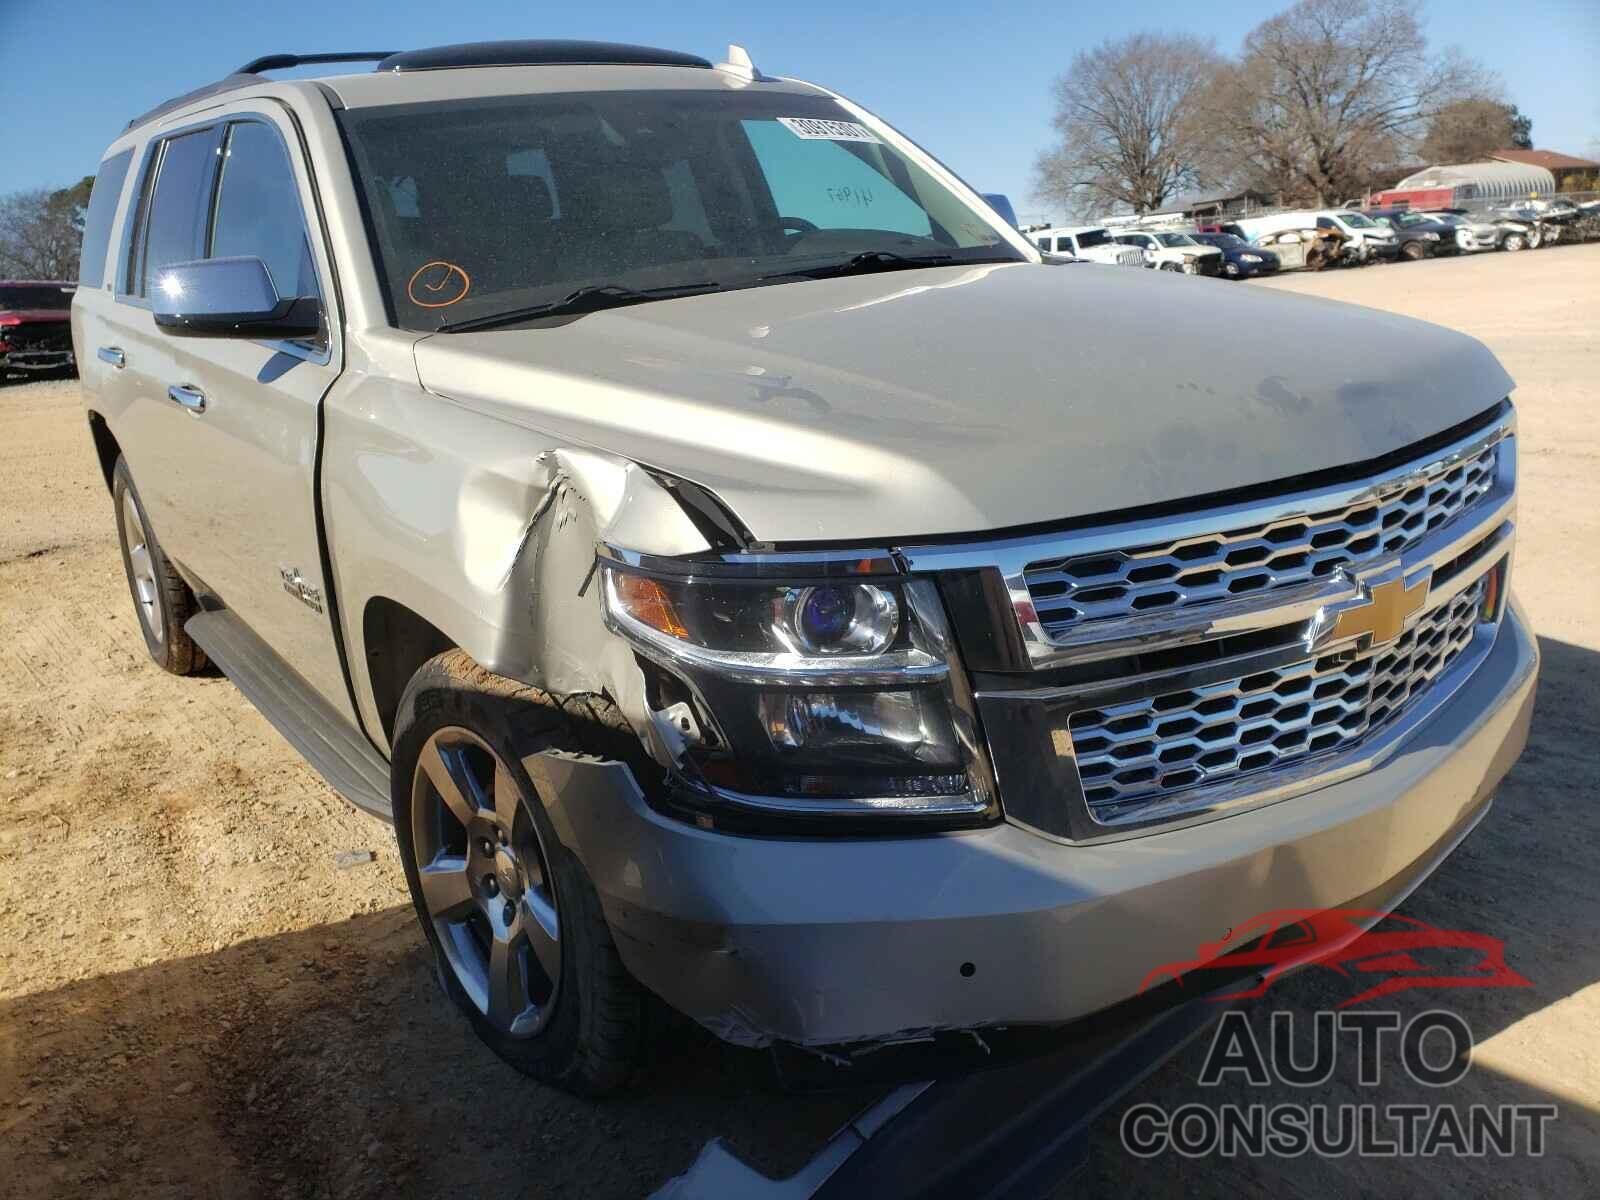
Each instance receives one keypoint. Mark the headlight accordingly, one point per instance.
(1430, 237)
(759, 631)
(822, 697)
(1251, 258)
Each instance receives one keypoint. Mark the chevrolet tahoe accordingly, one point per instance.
(746, 571)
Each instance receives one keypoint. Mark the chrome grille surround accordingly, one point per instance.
(1456, 528)
(1145, 750)
(1073, 592)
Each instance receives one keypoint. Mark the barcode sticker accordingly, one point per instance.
(815, 129)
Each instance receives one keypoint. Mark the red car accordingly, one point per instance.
(35, 325)
(1407, 953)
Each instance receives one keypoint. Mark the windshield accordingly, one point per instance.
(1175, 239)
(482, 207)
(36, 295)
(1095, 237)
(1226, 240)
(1358, 220)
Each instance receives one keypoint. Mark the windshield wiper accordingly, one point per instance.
(588, 298)
(869, 261)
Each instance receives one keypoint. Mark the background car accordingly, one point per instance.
(1092, 243)
(35, 325)
(1240, 260)
(1418, 236)
(1471, 233)
(1173, 250)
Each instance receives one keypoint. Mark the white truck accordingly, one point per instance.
(1093, 243)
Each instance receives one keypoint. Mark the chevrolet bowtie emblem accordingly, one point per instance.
(1381, 614)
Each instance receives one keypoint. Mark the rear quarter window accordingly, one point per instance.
(103, 199)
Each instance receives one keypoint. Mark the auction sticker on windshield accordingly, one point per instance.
(820, 129)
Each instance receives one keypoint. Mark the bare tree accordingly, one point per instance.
(1521, 129)
(41, 232)
(1125, 116)
(1471, 130)
(1328, 90)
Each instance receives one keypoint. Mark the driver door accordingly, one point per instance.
(240, 458)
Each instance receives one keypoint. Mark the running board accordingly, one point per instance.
(338, 751)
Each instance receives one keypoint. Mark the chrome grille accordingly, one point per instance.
(1134, 754)
(1070, 592)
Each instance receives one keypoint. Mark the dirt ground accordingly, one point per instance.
(197, 999)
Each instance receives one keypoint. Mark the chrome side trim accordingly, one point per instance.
(967, 804)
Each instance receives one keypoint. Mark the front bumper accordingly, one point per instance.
(37, 360)
(819, 941)
(1239, 269)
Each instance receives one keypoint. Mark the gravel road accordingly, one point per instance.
(197, 998)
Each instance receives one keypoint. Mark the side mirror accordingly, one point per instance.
(1002, 205)
(229, 297)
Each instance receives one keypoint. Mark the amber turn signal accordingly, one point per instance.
(647, 601)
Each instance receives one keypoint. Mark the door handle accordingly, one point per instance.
(192, 399)
(112, 355)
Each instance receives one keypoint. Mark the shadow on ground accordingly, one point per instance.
(327, 1063)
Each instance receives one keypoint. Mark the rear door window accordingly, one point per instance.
(103, 199)
(258, 210)
(175, 230)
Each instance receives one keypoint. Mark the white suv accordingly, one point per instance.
(747, 574)
(1173, 250)
(1093, 243)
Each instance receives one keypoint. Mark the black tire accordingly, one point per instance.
(1514, 242)
(589, 1040)
(169, 602)
(1413, 251)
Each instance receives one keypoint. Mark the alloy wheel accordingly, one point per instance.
(142, 568)
(485, 881)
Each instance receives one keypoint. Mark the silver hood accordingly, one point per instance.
(961, 400)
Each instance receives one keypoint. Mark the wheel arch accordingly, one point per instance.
(395, 642)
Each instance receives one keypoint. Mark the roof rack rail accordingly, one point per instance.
(248, 76)
(531, 52)
(538, 52)
(282, 62)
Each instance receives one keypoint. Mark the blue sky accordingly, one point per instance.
(969, 81)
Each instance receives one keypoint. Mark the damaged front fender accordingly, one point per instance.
(488, 530)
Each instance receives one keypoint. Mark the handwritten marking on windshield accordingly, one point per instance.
(438, 284)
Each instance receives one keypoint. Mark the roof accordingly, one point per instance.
(1504, 177)
(548, 53)
(1183, 202)
(376, 89)
(1550, 160)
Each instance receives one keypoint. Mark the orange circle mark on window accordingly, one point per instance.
(438, 284)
